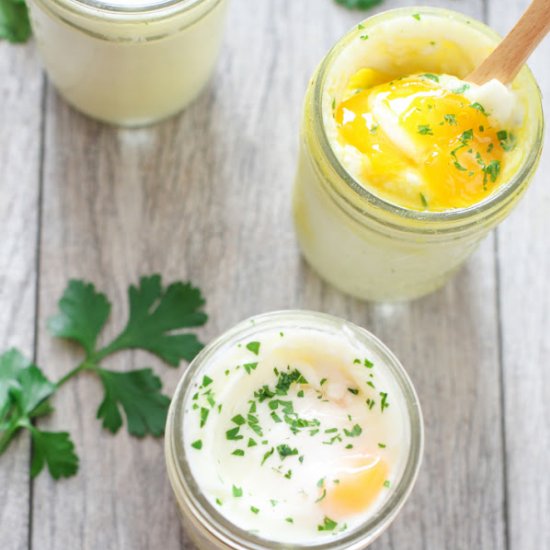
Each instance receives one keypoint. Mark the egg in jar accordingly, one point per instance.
(404, 167)
(301, 429)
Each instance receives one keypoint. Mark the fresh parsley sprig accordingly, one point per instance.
(157, 316)
(14, 21)
(359, 4)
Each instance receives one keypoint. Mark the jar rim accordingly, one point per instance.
(499, 197)
(209, 517)
(113, 7)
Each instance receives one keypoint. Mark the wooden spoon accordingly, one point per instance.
(510, 55)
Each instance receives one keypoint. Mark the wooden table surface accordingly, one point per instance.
(206, 196)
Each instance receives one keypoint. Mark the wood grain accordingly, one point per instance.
(524, 267)
(20, 119)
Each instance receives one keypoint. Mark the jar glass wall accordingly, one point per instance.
(202, 520)
(132, 63)
(363, 244)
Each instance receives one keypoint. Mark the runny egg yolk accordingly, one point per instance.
(358, 485)
(423, 146)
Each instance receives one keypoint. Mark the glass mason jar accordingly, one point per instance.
(209, 529)
(128, 63)
(363, 244)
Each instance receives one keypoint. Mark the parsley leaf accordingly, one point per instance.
(156, 312)
(24, 391)
(54, 449)
(359, 4)
(83, 313)
(14, 21)
(138, 393)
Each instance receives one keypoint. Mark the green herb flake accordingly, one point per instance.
(239, 420)
(204, 416)
(206, 381)
(237, 492)
(328, 524)
(425, 130)
(416, 16)
(382, 445)
(431, 76)
(289, 520)
(219, 501)
(267, 455)
(249, 367)
(459, 166)
(507, 140)
(284, 451)
(238, 452)
(479, 107)
(384, 403)
(251, 443)
(323, 495)
(423, 200)
(254, 347)
(387, 484)
(492, 170)
(356, 431)
(450, 119)
(254, 510)
(197, 444)
(233, 434)
(461, 89)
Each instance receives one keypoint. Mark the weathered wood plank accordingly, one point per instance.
(20, 138)
(207, 196)
(524, 266)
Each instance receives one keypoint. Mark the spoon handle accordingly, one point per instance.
(510, 55)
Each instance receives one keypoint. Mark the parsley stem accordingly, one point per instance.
(86, 364)
(9, 434)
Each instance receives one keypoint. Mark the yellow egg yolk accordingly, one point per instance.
(423, 146)
(358, 485)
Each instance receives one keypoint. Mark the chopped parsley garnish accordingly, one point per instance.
(233, 434)
(206, 381)
(197, 444)
(323, 495)
(237, 492)
(251, 443)
(364, 37)
(323, 381)
(328, 524)
(459, 166)
(239, 420)
(416, 16)
(461, 89)
(506, 139)
(354, 391)
(479, 107)
(204, 416)
(423, 200)
(254, 510)
(450, 119)
(249, 367)
(289, 520)
(356, 431)
(267, 455)
(425, 130)
(384, 403)
(382, 445)
(238, 452)
(431, 76)
(492, 170)
(387, 483)
(284, 451)
(254, 347)
(288, 475)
